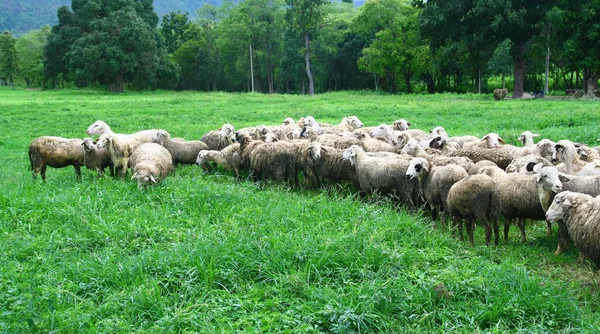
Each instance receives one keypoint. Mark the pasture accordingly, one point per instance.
(202, 253)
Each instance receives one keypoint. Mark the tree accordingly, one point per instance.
(62, 36)
(9, 57)
(501, 61)
(118, 44)
(174, 30)
(31, 48)
(304, 17)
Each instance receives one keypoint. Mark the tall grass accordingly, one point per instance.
(202, 253)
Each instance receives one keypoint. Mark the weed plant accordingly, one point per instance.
(201, 253)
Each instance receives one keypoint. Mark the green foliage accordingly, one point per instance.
(9, 58)
(202, 253)
(31, 48)
(174, 29)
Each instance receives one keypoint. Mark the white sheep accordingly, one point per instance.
(579, 214)
(566, 152)
(56, 152)
(151, 163)
(526, 138)
(228, 158)
(100, 127)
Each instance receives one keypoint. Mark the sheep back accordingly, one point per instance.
(56, 152)
(150, 162)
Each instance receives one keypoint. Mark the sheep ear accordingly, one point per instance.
(535, 135)
(501, 140)
(408, 123)
(563, 178)
(152, 178)
(485, 137)
(567, 202)
(133, 176)
(536, 168)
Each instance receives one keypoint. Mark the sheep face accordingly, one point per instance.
(381, 131)
(411, 147)
(310, 121)
(416, 168)
(97, 128)
(526, 138)
(561, 204)
(354, 122)
(437, 143)
(493, 140)
(88, 144)
(227, 131)
(161, 136)
(202, 157)
(351, 153)
(401, 125)
(288, 121)
(439, 131)
(549, 180)
(559, 152)
(103, 141)
(143, 178)
(314, 150)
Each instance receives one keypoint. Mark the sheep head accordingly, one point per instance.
(227, 131)
(401, 124)
(351, 153)
(549, 180)
(561, 204)
(417, 168)
(98, 128)
(439, 131)
(354, 122)
(493, 140)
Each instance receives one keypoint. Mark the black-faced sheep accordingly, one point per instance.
(97, 159)
(56, 152)
(436, 181)
(151, 163)
(580, 216)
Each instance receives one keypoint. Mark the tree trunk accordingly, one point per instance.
(519, 69)
(591, 82)
(407, 76)
(311, 83)
(251, 69)
(547, 71)
(503, 81)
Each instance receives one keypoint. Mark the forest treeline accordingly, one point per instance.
(313, 46)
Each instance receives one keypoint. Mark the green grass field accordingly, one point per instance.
(202, 253)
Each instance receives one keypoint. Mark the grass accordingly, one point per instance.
(202, 253)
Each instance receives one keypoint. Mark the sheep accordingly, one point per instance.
(228, 158)
(478, 165)
(331, 140)
(521, 196)
(271, 161)
(525, 164)
(500, 93)
(436, 181)
(473, 198)
(502, 158)
(526, 138)
(587, 153)
(96, 158)
(545, 149)
(413, 148)
(327, 163)
(100, 127)
(492, 140)
(579, 214)
(184, 153)
(150, 162)
(566, 152)
(56, 152)
(401, 125)
(373, 145)
(215, 141)
(382, 176)
(349, 123)
(120, 148)
(492, 171)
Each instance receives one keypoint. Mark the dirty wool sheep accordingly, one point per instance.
(151, 163)
(500, 93)
(228, 158)
(474, 199)
(580, 216)
(56, 152)
(97, 159)
(183, 152)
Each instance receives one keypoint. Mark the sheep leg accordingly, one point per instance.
(488, 233)
(470, 229)
(77, 172)
(458, 227)
(506, 228)
(563, 239)
(522, 228)
(548, 228)
(496, 232)
(581, 257)
(43, 172)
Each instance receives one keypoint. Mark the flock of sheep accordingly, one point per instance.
(466, 180)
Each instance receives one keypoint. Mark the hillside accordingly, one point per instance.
(22, 16)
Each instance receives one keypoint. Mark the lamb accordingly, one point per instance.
(579, 214)
(492, 140)
(120, 148)
(96, 158)
(382, 176)
(566, 152)
(56, 152)
(500, 93)
(215, 141)
(436, 181)
(473, 198)
(228, 158)
(150, 162)
(182, 152)
(545, 149)
(373, 145)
